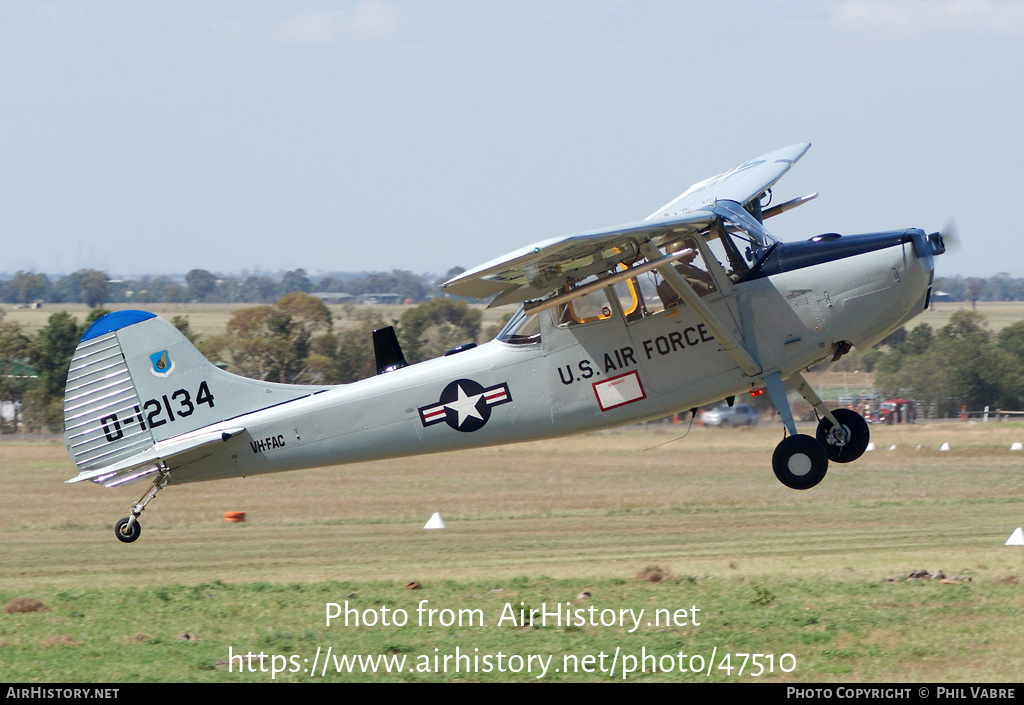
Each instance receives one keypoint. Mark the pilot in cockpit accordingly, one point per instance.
(698, 278)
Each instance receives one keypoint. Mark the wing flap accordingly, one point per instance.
(178, 450)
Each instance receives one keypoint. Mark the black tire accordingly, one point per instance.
(857, 443)
(800, 462)
(131, 535)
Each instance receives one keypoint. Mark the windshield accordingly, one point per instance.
(747, 244)
(738, 242)
(521, 329)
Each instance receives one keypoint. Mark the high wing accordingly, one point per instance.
(537, 270)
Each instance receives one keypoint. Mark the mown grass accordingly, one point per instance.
(998, 314)
(846, 631)
(819, 574)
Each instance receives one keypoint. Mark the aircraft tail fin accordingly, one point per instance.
(135, 381)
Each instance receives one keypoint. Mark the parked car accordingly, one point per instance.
(738, 415)
(896, 411)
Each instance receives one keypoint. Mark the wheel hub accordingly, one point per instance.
(838, 436)
(799, 464)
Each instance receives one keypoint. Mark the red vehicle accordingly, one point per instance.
(896, 411)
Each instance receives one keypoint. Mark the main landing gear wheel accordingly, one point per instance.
(849, 441)
(800, 462)
(126, 533)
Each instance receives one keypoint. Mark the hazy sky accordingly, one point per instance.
(157, 137)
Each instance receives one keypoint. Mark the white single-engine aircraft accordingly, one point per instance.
(696, 303)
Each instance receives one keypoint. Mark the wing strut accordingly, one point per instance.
(533, 307)
(690, 297)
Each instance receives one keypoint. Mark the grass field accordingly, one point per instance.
(999, 314)
(820, 575)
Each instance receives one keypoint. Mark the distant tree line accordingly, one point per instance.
(34, 370)
(298, 340)
(294, 340)
(292, 337)
(961, 364)
(999, 287)
(96, 288)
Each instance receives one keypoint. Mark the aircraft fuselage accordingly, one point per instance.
(793, 310)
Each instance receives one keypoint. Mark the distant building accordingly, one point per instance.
(333, 297)
(9, 410)
(390, 299)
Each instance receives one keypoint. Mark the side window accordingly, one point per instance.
(586, 309)
(693, 268)
(647, 286)
(654, 294)
(597, 306)
(630, 300)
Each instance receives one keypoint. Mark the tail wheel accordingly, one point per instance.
(800, 462)
(126, 533)
(848, 442)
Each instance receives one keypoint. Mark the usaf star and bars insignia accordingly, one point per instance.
(465, 405)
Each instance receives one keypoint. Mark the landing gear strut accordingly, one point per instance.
(128, 529)
(800, 462)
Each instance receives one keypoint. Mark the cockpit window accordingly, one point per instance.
(724, 252)
(693, 268)
(521, 329)
(598, 305)
(728, 249)
(585, 309)
(741, 238)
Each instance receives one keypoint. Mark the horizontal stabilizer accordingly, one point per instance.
(173, 451)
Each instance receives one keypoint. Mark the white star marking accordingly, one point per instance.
(465, 406)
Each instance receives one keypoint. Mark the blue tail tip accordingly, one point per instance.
(115, 321)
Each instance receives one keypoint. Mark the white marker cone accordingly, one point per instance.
(1017, 446)
(892, 447)
(871, 446)
(436, 522)
(1016, 538)
(945, 446)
